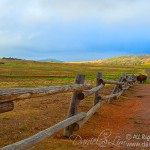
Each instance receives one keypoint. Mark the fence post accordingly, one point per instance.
(117, 87)
(96, 94)
(73, 105)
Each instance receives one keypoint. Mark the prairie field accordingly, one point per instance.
(33, 115)
(46, 47)
(20, 73)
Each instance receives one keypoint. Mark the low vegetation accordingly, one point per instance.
(22, 73)
(33, 115)
(125, 60)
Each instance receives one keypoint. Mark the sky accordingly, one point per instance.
(74, 30)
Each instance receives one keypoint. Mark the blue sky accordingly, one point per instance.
(74, 30)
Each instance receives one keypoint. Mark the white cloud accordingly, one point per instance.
(104, 11)
(21, 20)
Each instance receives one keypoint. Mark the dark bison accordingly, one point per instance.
(2, 63)
(142, 78)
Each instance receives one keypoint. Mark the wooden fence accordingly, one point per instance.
(74, 120)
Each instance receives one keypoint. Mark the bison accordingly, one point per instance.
(142, 78)
(2, 63)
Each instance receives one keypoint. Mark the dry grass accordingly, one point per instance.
(16, 73)
(33, 115)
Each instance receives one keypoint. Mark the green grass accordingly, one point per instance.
(22, 128)
(61, 79)
(6, 118)
(19, 73)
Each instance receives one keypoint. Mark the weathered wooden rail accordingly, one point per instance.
(74, 120)
(7, 96)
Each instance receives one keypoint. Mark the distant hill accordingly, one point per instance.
(124, 60)
(10, 58)
(42, 60)
(49, 60)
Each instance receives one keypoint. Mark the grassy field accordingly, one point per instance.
(19, 73)
(33, 115)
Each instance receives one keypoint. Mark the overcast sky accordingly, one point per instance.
(74, 30)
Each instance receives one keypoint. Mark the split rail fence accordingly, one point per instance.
(74, 119)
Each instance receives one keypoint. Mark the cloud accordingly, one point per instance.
(30, 12)
(103, 11)
(72, 25)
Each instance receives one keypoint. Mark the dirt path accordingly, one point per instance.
(124, 124)
(113, 127)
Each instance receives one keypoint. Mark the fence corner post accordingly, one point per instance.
(68, 131)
